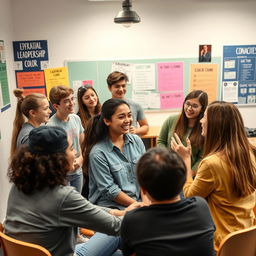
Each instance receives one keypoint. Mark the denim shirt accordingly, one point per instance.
(112, 171)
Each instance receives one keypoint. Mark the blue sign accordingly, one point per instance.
(239, 74)
(30, 55)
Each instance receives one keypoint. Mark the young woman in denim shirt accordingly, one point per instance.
(110, 156)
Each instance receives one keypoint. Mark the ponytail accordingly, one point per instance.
(18, 121)
(24, 105)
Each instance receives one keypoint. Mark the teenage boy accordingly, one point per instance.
(117, 86)
(62, 99)
(170, 225)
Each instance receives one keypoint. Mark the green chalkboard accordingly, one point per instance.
(97, 71)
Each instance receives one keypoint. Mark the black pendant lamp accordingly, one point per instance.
(127, 17)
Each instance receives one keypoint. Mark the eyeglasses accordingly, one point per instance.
(84, 87)
(194, 106)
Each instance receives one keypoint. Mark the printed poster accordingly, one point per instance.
(4, 87)
(170, 76)
(56, 76)
(239, 74)
(125, 68)
(205, 77)
(30, 59)
(171, 100)
(144, 77)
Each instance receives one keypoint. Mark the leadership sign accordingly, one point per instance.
(30, 55)
(239, 74)
(30, 59)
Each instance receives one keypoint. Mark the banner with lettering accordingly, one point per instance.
(30, 59)
(239, 74)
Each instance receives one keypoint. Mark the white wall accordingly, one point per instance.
(78, 29)
(6, 34)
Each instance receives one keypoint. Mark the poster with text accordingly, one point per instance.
(30, 59)
(205, 77)
(239, 74)
(4, 88)
(56, 76)
(170, 76)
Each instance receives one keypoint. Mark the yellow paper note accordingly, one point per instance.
(205, 77)
(55, 76)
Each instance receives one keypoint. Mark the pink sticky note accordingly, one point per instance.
(85, 82)
(171, 100)
(170, 76)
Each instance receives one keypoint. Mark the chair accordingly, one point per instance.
(14, 247)
(87, 232)
(242, 242)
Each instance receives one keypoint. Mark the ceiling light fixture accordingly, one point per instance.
(127, 17)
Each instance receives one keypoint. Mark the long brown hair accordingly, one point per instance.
(83, 111)
(226, 135)
(181, 127)
(24, 105)
(97, 130)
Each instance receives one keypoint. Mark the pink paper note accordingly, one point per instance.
(85, 82)
(171, 100)
(170, 76)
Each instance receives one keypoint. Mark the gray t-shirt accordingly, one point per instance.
(137, 112)
(50, 218)
(22, 138)
(73, 127)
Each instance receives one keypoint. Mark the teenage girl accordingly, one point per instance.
(110, 156)
(187, 125)
(88, 103)
(226, 176)
(35, 109)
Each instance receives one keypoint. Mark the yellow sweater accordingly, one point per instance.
(213, 182)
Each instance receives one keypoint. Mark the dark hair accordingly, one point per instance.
(115, 77)
(162, 173)
(57, 93)
(82, 108)
(24, 105)
(31, 172)
(97, 130)
(182, 123)
(226, 135)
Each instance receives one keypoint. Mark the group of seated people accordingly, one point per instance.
(180, 198)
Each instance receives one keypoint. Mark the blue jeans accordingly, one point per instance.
(99, 245)
(76, 179)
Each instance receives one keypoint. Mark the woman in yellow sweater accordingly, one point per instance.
(226, 176)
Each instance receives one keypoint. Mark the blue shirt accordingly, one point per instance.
(112, 171)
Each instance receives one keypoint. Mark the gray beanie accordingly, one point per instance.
(47, 140)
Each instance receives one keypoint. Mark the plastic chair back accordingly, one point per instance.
(14, 247)
(239, 243)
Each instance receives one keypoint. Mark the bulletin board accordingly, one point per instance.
(239, 74)
(97, 72)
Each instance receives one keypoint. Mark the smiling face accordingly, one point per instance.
(66, 105)
(120, 121)
(192, 108)
(42, 113)
(118, 89)
(203, 122)
(90, 99)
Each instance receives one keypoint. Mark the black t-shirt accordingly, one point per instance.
(184, 228)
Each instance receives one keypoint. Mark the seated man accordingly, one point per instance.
(170, 225)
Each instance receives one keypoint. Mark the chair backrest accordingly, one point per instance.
(242, 242)
(14, 247)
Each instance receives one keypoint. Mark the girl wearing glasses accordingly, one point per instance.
(88, 103)
(187, 125)
(227, 174)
